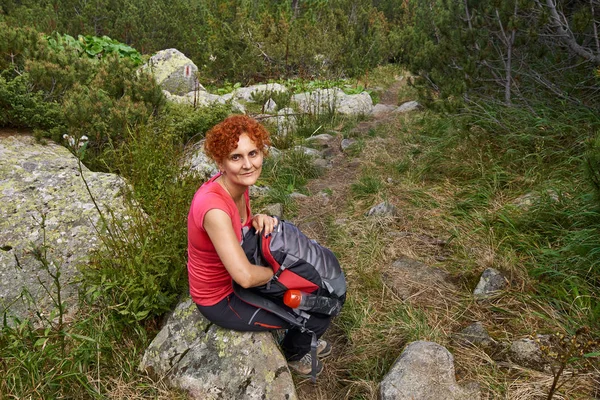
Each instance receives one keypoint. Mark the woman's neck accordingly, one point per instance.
(236, 192)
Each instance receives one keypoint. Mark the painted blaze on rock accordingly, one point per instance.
(37, 180)
(174, 72)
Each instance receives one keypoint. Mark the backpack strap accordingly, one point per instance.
(252, 298)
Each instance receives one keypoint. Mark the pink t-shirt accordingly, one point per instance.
(209, 281)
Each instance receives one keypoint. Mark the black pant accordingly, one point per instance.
(233, 313)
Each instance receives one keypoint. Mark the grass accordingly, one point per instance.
(457, 179)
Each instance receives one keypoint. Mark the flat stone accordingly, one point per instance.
(412, 279)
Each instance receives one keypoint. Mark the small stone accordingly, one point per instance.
(382, 209)
(308, 151)
(527, 353)
(270, 106)
(491, 282)
(321, 140)
(321, 163)
(258, 191)
(474, 334)
(347, 143)
(408, 106)
(296, 195)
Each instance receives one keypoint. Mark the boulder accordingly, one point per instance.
(195, 161)
(413, 279)
(246, 93)
(208, 362)
(174, 72)
(424, 371)
(333, 100)
(270, 106)
(490, 283)
(204, 99)
(355, 104)
(286, 121)
(44, 180)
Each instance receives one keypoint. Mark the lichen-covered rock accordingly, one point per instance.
(38, 180)
(212, 363)
(270, 106)
(286, 121)
(247, 93)
(195, 161)
(205, 99)
(424, 371)
(174, 72)
(333, 100)
(490, 283)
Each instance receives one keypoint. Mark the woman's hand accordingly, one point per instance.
(264, 224)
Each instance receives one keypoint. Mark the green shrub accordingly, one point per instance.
(142, 266)
(192, 123)
(22, 107)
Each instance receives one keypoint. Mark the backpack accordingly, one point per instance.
(298, 263)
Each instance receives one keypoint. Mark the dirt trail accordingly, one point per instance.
(328, 199)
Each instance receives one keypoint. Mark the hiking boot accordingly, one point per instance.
(303, 367)
(323, 349)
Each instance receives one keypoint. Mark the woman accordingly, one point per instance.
(219, 211)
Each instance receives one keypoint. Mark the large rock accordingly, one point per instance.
(424, 371)
(204, 99)
(247, 93)
(174, 72)
(38, 180)
(333, 100)
(209, 362)
(196, 162)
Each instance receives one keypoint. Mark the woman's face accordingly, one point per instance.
(243, 165)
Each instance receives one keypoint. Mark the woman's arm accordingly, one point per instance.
(218, 226)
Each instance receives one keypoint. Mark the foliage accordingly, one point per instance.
(93, 47)
(48, 87)
(504, 153)
(235, 40)
(502, 51)
(143, 265)
(192, 123)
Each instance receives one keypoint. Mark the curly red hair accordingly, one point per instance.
(223, 138)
